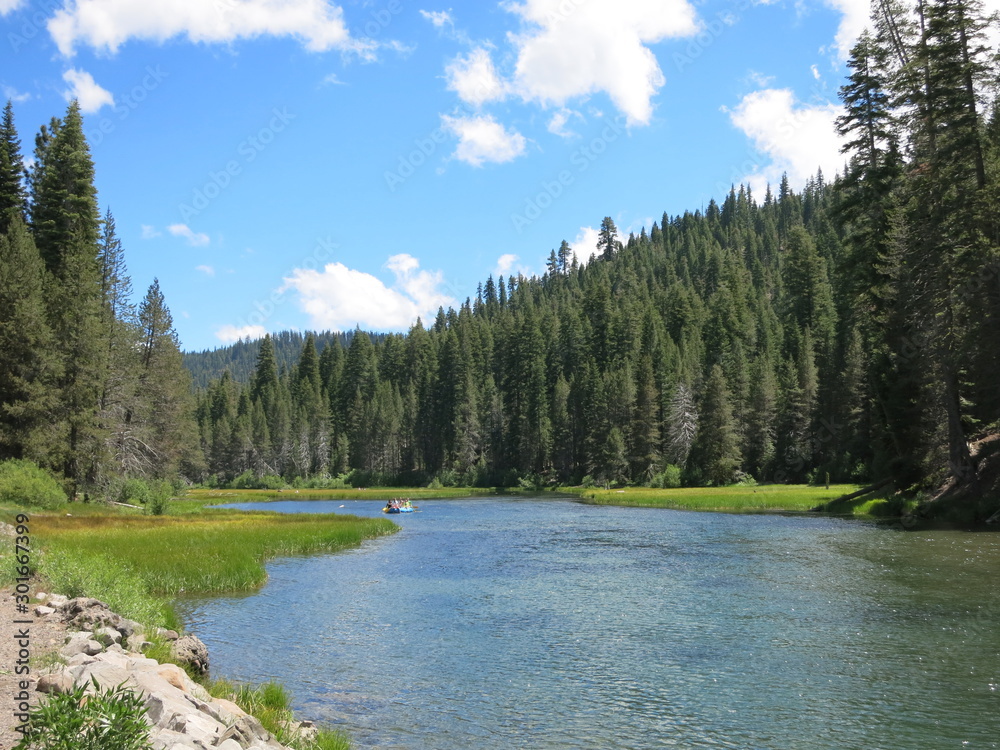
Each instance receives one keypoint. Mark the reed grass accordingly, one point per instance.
(373, 493)
(736, 499)
(137, 563)
(271, 704)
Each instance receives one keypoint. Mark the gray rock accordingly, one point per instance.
(57, 600)
(229, 745)
(42, 611)
(55, 682)
(107, 635)
(191, 651)
(166, 739)
(84, 613)
(80, 643)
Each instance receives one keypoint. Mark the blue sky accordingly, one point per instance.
(306, 164)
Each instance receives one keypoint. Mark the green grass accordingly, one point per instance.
(204, 496)
(137, 563)
(735, 499)
(271, 704)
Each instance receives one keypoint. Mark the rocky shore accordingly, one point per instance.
(100, 645)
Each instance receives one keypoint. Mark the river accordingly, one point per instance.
(529, 623)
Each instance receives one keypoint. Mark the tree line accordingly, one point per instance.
(848, 331)
(91, 384)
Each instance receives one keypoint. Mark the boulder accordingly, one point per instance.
(55, 682)
(191, 651)
(107, 635)
(80, 643)
(42, 611)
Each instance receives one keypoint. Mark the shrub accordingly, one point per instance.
(25, 483)
(160, 493)
(131, 491)
(250, 481)
(112, 719)
(669, 478)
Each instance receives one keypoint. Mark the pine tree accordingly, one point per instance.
(66, 225)
(715, 455)
(12, 175)
(29, 370)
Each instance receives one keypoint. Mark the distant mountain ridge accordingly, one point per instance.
(240, 358)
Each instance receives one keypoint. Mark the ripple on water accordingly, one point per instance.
(489, 624)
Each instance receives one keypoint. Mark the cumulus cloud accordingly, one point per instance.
(339, 297)
(88, 92)
(229, 334)
(105, 25)
(149, 232)
(571, 49)
(207, 270)
(482, 139)
(8, 6)
(855, 17)
(474, 78)
(795, 138)
(195, 239)
(584, 247)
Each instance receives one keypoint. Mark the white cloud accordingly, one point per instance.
(585, 245)
(339, 297)
(9, 92)
(107, 24)
(195, 239)
(797, 139)
(557, 125)
(482, 139)
(438, 17)
(207, 270)
(229, 334)
(856, 16)
(574, 49)
(8, 6)
(475, 79)
(505, 263)
(83, 88)
(149, 232)
(332, 80)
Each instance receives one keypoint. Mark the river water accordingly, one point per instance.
(528, 623)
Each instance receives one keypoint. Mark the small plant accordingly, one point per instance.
(25, 483)
(112, 719)
(160, 493)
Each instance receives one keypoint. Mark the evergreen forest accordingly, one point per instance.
(849, 331)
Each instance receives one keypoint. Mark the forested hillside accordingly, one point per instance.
(850, 330)
(240, 358)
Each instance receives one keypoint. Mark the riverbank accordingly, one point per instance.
(80, 643)
(138, 564)
(770, 498)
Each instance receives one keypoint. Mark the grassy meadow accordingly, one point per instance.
(138, 563)
(771, 498)
(204, 496)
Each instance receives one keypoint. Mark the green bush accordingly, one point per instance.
(132, 492)
(669, 478)
(25, 483)
(160, 493)
(250, 481)
(112, 719)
